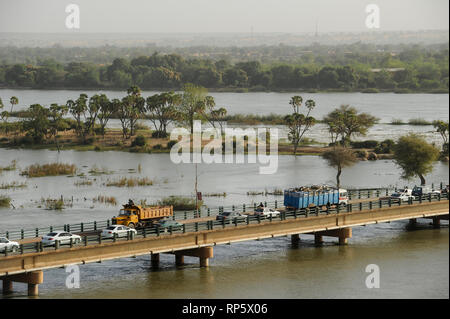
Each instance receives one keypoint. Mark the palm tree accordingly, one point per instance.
(14, 100)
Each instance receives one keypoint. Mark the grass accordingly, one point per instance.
(276, 192)
(397, 122)
(97, 171)
(215, 194)
(419, 122)
(105, 200)
(53, 169)
(130, 182)
(83, 183)
(252, 119)
(10, 167)
(179, 202)
(253, 193)
(55, 204)
(13, 185)
(5, 201)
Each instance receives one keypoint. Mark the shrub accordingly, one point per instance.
(5, 202)
(170, 144)
(179, 202)
(157, 147)
(364, 144)
(159, 134)
(385, 147)
(52, 169)
(139, 141)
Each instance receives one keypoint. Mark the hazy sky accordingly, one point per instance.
(221, 15)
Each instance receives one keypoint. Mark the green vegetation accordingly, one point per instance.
(418, 122)
(299, 123)
(345, 122)
(129, 182)
(55, 204)
(5, 201)
(12, 185)
(179, 202)
(415, 156)
(105, 200)
(53, 169)
(10, 167)
(361, 67)
(339, 157)
(215, 194)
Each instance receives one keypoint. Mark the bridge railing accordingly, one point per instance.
(248, 219)
(95, 226)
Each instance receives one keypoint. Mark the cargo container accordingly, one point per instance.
(295, 199)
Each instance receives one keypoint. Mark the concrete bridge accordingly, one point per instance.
(28, 267)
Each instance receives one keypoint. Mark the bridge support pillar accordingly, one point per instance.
(203, 253)
(318, 239)
(343, 234)
(179, 260)
(412, 222)
(436, 222)
(7, 286)
(295, 239)
(155, 260)
(33, 279)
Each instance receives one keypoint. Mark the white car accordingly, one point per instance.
(267, 212)
(120, 230)
(61, 236)
(403, 195)
(6, 244)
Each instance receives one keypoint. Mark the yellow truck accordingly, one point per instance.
(135, 216)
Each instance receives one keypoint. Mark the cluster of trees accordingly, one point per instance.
(91, 115)
(414, 70)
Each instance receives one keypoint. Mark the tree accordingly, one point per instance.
(415, 156)
(56, 113)
(442, 128)
(217, 117)
(162, 110)
(340, 157)
(299, 123)
(133, 106)
(194, 102)
(345, 122)
(14, 100)
(78, 110)
(38, 123)
(106, 109)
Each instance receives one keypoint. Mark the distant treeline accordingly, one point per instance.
(413, 69)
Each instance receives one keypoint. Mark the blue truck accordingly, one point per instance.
(298, 198)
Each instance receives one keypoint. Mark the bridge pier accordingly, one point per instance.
(179, 260)
(436, 222)
(318, 239)
(33, 279)
(295, 239)
(155, 260)
(343, 234)
(203, 253)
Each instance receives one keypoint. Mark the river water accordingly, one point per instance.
(413, 263)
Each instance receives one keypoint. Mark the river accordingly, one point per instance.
(413, 263)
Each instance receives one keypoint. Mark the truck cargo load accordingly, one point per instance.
(303, 197)
(136, 216)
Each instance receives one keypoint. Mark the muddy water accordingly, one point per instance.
(413, 263)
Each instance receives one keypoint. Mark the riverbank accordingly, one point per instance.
(114, 141)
